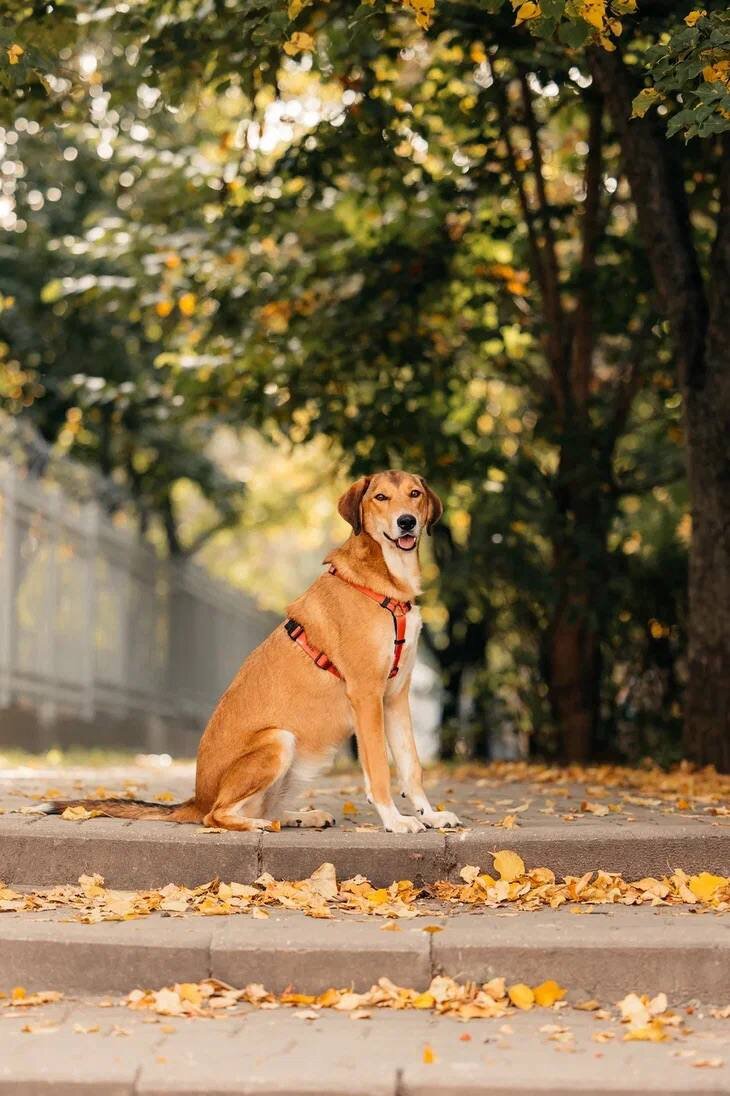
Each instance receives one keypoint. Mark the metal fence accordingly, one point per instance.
(101, 641)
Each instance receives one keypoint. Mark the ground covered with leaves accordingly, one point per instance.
(508, 884)
(503, 795)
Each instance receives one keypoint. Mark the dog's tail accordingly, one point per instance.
(129, 808)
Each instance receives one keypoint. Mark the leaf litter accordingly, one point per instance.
(511, 886)
(444, 996)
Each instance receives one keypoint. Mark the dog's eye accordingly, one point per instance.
(415, 494)
(381, 497)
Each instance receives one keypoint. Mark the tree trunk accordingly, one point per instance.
(700, 329)
(707, 394)
(574, 678)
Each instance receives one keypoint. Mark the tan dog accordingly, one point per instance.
(342, 663)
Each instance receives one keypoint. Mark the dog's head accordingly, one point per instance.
(392, 507)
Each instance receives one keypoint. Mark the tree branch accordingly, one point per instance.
(582, 342)
(204, 536)
(538, 261)
(553, 303)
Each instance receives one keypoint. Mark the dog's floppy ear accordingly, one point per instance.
(350, 505)
(435, 506)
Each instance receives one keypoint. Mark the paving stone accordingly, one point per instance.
(312, 955)
(57, 1057)
(381, 857)
(612, 951)
(106, 957)
(128, 854)
(608, 953)
(637, 838)
(636, 849)
(279, 1053)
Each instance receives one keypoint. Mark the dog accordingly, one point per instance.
(341, 663)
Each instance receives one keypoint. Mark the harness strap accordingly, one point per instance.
(397, 609)
(296, 632)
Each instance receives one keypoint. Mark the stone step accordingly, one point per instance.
(44, 851)
(605, 954)
(278, 1053)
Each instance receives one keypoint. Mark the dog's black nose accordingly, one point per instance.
(406, 522)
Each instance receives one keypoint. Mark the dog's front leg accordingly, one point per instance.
(370, 731)
(399, 732)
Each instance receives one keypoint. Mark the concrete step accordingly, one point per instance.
(44, 851)
(606, 954)
(277, 1053)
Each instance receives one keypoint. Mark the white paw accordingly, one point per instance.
(439, 820)
(404, 823)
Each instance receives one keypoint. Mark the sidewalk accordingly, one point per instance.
(638, 824)
(90, 937)
(75, 1047)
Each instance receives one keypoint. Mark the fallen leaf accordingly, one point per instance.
(547, 993)
(521, 996)
(508, 865)
(705, 885)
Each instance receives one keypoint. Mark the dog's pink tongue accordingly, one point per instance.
(406, 541)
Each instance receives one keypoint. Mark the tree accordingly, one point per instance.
(411, 274)
(692, 276)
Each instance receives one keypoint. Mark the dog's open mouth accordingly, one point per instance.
(406, 543)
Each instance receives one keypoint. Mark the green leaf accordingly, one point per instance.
(643, 102)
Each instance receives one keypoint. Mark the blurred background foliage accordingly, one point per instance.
(251, 250)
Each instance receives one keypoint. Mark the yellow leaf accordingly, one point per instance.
(189, 991)
(349, 808)
(18, 993)
(521, 996)
(424, 1000)
(694, 17)
(653, 1032)
(187, 304)
(594, 12)
(508, 865)
(163, 308)
(297, 999)
(15, 52)
(77, 814)
(299, 42)
(295, 7)
(703, 886)
(433, 928)
(547, 993)
(527, 11)
(259, 914)
(429, 1055)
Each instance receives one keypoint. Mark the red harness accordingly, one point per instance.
(397, 610)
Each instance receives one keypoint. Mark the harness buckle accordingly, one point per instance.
(293, 628)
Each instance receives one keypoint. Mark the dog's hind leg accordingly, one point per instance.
(249, 788)
(290, 787)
